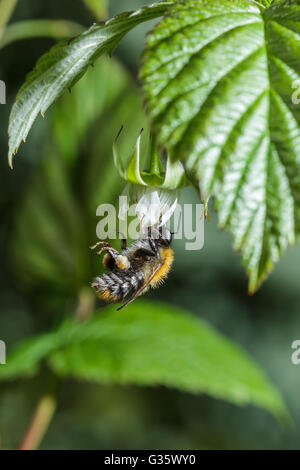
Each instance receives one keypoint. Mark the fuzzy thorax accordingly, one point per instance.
(167, 256)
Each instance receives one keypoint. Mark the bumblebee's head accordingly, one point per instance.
(161, 235)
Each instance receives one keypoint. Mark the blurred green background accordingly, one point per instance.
(47, 223)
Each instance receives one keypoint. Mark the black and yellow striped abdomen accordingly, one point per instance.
(118, 285)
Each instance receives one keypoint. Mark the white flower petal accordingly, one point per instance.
(152, 206)
(168, 203)
(168, 214)
(148, 208)
(167, 198)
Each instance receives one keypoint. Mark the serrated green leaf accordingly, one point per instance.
(61, 67)
(149, 344)
(218, 79)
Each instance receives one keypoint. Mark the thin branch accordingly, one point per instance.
(39, 424)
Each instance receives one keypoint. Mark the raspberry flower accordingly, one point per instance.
(154, 191)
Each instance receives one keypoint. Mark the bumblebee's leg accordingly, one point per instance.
(153, 246)
(113, 258)
(124, 244)
(108, 261)
(122, 262)
(104, 246)
(123, 241)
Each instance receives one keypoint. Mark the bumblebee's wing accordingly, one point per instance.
(141, 289)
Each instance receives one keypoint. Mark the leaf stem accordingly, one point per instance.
(6, 10)
(56, 29)
(86, 304)
(39, 424)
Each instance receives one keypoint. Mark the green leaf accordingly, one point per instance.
(99, 8)
(56, 29)
(218, 78)
(64, 65)
(149, 344)
(6, 10)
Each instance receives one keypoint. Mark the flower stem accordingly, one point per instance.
(39, 423)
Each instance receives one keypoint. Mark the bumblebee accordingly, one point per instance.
(144, 264)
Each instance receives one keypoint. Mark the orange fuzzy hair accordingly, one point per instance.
(105, 294)
(167, 255)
